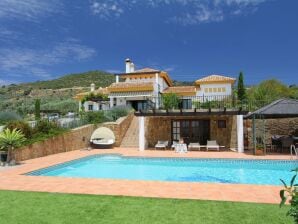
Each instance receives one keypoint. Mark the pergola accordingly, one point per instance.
(282, 108)
(192, 112)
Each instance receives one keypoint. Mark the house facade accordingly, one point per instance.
(144, 88)
(205, 111)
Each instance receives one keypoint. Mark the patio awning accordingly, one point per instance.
(190, 112)
(282, 108)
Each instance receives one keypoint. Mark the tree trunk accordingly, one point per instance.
(9, 155)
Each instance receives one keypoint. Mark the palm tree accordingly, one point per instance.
(11, 140)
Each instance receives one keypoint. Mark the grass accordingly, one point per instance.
(44, 208)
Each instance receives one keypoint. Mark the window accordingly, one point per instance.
(90, 107)
(176, 130)
(219, 89)
(210, 90)
(206, 90)
(223, 89)
(214, 90)
(221, 124)
(185, 104)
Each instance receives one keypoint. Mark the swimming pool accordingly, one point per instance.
(233, 171)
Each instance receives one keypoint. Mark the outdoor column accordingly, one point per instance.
(141, 133)
(157, 91)
(240, 140)
(111, 102)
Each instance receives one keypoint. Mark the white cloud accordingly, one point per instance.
(4, 82)
(185, 12)
(106, 9)
(28, 9)
(24, 61)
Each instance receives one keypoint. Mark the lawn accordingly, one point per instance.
(41, 208)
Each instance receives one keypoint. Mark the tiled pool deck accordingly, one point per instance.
(12, 179)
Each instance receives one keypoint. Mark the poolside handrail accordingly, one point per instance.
(293, 148)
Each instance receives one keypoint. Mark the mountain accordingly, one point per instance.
(99, 78)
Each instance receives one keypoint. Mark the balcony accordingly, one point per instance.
(193, 105)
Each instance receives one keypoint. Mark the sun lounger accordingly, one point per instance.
(212, 145)
(194, 145)
(162, 145)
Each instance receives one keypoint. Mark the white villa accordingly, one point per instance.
(143, 88)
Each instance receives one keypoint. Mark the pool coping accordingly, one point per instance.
(14, 179)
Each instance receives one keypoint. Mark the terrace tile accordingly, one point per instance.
(13, 179)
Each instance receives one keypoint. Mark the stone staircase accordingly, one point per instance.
(131, 138)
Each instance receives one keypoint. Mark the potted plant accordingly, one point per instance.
(260, 149)
(10, 140)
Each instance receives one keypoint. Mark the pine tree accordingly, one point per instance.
(37, 109)
(241, 88)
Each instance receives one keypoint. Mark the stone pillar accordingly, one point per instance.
(117, 78)
(141, 133)
(240, 140)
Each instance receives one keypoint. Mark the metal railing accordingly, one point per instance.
(293, 148)
(205, 102)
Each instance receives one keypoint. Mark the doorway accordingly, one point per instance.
(191, 131)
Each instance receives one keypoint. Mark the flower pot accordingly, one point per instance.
(3, 156)
(259, 152)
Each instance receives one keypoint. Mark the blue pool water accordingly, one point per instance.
(263, 172)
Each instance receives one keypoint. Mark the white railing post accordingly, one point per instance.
(240, 140)
(142, 133)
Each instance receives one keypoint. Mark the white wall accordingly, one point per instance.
(96, 106)
(139, 80)
(227, 86)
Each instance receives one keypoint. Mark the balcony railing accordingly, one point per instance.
(204, 102)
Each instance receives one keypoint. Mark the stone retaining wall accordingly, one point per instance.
(281, 126)
(69, 141)
(119, 127)
(75, 139)
(159, 128)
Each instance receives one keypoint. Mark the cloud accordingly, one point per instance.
(185, 12)
(105, 10)
(4, 82)
(23, 61)
(8, 35)
(28, 9)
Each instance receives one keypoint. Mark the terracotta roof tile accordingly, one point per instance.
(144, 70)
(181, 90)
(130, 86)
(215, 78)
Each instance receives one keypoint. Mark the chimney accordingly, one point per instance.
(92, 87)
(132, 67)
(128, 65)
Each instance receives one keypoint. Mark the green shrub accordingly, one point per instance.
(7, 116)
(94, 117)
(45, 126)
(21, 126)
(290, 192)
(170, 101)
(117, 112)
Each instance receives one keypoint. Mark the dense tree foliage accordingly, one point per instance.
(241, 91)
(270, 90)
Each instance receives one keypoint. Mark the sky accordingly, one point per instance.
(45, 39)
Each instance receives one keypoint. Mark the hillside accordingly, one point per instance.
(100, 78)
(54, 94)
